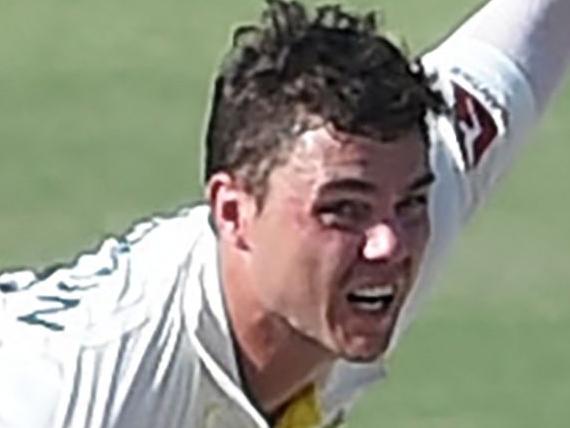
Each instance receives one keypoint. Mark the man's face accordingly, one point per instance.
(337, 243)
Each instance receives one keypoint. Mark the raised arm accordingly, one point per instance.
(498, 70)
(535, 34)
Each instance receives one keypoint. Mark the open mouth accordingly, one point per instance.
(372, 299)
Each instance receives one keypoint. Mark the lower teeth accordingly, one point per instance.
(369, 306)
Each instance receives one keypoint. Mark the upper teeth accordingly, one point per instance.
(375, 292)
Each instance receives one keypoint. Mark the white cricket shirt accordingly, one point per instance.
(135, 334)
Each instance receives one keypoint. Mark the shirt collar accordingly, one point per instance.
(212, 327)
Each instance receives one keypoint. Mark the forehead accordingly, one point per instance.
(322, 155)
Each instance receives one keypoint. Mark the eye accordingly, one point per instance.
(346, 213)
(412, 205)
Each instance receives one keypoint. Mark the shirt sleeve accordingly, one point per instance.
(492, 112)
(64, 331)
(533, 33)
(497, 72)
(44, 318)
(68, 298)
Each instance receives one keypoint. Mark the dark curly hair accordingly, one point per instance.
(292, 68)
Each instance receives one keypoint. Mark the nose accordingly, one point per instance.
(383, 243)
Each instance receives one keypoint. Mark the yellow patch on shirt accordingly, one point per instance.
(304, 411)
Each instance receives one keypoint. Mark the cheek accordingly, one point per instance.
(299, 262)
(320, 264)
(418, 233)
(334, 254)
(327, 261)
(321, 247)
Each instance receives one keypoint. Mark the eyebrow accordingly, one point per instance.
(422, 181)
(348, 185)
(361, 186)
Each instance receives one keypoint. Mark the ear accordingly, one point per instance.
(232, 209)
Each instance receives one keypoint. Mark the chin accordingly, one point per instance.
(363, 350)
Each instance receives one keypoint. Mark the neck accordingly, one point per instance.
(276, 371)
(276, 361)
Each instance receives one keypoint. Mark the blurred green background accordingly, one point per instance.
(101, 110)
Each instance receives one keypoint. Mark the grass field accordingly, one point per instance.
(101, 109)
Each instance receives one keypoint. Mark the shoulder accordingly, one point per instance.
(109, 290)
(106, 325)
